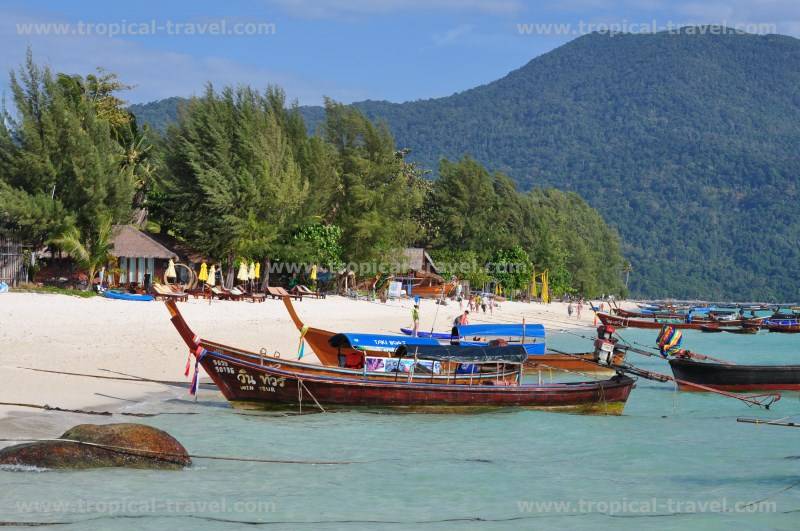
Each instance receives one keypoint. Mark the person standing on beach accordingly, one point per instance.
(483, 304)
(569, 310)
(415, 318)
(579, 308)
(462, 319)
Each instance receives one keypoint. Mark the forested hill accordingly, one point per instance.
(687, 143)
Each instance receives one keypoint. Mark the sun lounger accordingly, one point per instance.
(164, 292)
(221, 294)
(279, 293)
(255, 297)
(300, 289)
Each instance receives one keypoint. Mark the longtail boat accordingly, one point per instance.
(247, 382)
(729, 377)
(647, 314)
(335, 353)
(653, 324)
(788, 324)
(420, 373)
(626, 322)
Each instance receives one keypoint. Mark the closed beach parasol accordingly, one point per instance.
(314, 272)
(203, 275)
(242, 275)
(171, 270)
(258, 270)
(212, 276)
(251, 271)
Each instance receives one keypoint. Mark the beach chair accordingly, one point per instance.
(396, 290)
(161, 291)
(304, 291)
(244, 294)
(221, 294)
(279, 293)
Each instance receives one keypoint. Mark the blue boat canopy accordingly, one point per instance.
(464, 353)
(377, 341)
(501, 330)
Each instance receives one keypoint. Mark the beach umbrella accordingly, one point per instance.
(242, 274)
(251, 271)
(314, 272)
(258, 271)
(171, 273)
(203, 276)
(212, 275)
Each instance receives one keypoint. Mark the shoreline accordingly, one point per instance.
(112, 340)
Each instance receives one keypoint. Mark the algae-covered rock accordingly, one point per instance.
(102, 445)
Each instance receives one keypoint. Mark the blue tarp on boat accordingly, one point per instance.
(486, 330)
(377, 341)
(502, 330)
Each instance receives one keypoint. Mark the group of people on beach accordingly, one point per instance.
(577, 308)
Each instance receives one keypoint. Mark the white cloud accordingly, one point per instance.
(154, 73)
(452, 35)
(349, 8)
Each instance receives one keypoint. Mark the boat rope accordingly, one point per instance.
(101, 377)
(47, 407)
(163, 455)
(300, 386)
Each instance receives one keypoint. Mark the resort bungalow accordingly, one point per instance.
(141, 259)
(419, 275)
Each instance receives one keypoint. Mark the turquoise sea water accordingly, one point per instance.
(673, 461)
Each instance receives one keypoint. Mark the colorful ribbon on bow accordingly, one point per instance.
(302, 346)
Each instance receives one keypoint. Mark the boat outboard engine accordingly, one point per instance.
(604, 345)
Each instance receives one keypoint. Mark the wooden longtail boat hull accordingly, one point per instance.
(625, 322)
(247, 383)
(319, 341)
(507, 376)
(786, 329)
(644, 315)
(193, 341)
(581, 362)
(736, 377)
(433, 292)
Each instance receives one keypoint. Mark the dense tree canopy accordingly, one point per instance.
(237, 176)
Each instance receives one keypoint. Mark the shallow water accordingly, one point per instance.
(673, 461)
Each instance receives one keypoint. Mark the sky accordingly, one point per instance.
(349, 50)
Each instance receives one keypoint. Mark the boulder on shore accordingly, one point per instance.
(102, 445)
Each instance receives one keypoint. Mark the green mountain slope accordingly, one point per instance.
(687, 143)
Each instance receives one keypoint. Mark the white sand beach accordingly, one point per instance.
(122, 339)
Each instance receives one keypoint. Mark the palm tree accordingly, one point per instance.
(90, 254)
(627, 269)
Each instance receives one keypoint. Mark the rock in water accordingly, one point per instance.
(121, 445)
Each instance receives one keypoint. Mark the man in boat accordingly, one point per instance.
(415, 318)
(605, 344)
(460, 320)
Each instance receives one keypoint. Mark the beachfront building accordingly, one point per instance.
(141, 259)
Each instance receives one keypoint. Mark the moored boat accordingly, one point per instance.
(626, 322)
(729, 377)
(247, 383)
(421, 371)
